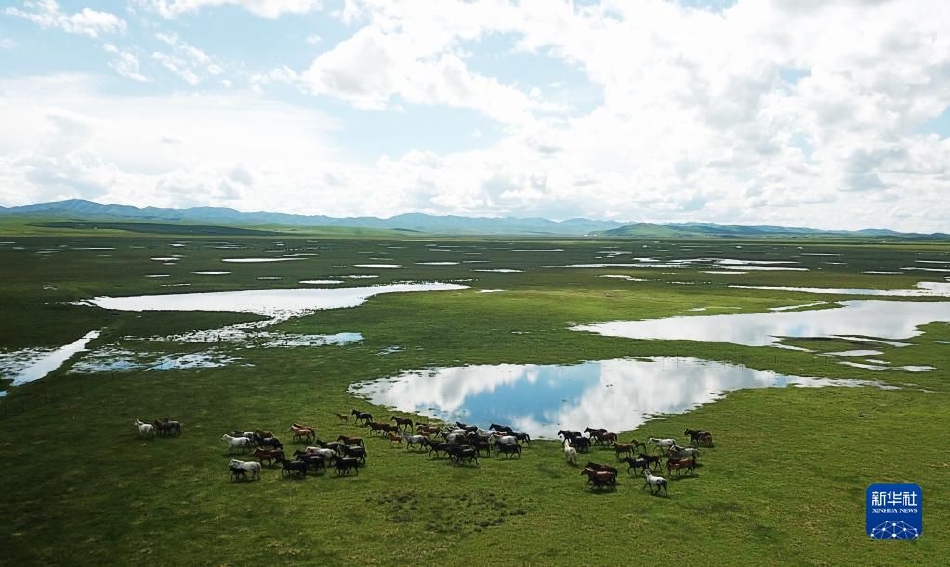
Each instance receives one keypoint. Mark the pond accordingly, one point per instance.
(888, 320)
(617, 394)
(32, 364)
(275, 303)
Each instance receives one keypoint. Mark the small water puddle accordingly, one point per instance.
(618, 394)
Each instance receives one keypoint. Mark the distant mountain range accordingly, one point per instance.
(77, 210)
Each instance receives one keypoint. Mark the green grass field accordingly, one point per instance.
(785, 483)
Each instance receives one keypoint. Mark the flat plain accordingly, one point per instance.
(785, 482)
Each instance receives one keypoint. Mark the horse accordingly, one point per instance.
(501, 429)
(600, 467)
(327, 454)
(395, 438)
(402, 421)
(602, 436)
(346, 464)
(699, 437)
(678, 464)
(569, 434)
(346, 439)
(362, 416)
(435, 447)
(413, 440)
(344, 418)
(243, 442)
(237, 473)
(662, 444)
(677, 452)
(166, 427)
(458, 453)
(427, 428)
(570, 453)
(635, 463)
(260, 434)
(146, 430)
(355, 451)
(379, 426)
(270, 442)
(248, 466)
(523, 437)
(620, 448)
(313, 461)
(638, 445)
(299, 431)
(508, 450)
(652, 480)
(296, 467)
(581, 443)
(650, 459)
(269, 455)
(600, 479)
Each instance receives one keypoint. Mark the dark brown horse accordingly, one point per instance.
(403, 422)
(601, 479)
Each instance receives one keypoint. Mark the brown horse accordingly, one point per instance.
(344, 418)
(394, 438)
(679, 464)
(623, 448)
(601, 479)
(302, 432)
(347, 440)
(269, 455)
(402, 422)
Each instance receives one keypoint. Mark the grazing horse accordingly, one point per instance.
(248, 466)
(146, 430)
(269, 455)
(677, 452)
(346, 464)
(600, 479)
(699, 437)
(403, 422)
(678, 464)
(362, 416)
(301, 432)
(570, 453)
(233, 442)
(653, 480)
(414, 440)
(663, 445)
(507, 449)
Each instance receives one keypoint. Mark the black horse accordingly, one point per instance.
(346, 464)
(362, 416)
(507, 449)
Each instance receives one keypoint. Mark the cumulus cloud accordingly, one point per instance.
(47, 14)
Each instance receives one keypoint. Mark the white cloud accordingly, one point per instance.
(46, 14)
(7, 43)
(125, 63)
(270, 9)
(313, 39)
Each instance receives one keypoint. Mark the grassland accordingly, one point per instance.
(784, 484)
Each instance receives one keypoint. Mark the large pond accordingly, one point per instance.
(618, 394)
(887, 320)
(276, 303)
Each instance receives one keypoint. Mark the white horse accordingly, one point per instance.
(506, 440)
(663, 444)
(653, 480)
(678, 452)
(233, 442)
(412, 440)
(252, 467)
(570, 453)
(145, 429)
(323, 452)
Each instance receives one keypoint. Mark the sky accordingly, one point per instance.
(814, 113)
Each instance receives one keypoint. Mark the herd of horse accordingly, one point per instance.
(461, 444)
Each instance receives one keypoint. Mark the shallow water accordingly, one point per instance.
(618, 394)
(890, 320)
(276, 303)
(923, 289)
(33, 364)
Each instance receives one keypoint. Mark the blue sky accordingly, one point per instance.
(747, 112)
